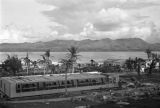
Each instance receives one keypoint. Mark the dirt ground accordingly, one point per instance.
(146, 103)
(63, 104)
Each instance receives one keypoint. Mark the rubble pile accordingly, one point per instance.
(134, 92)
(127, 91)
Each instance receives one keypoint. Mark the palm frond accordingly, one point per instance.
(47, 53)
(8, 56)
(73, 53)
(43, 57)
(66, 62)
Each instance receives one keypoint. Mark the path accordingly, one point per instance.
(43, 100)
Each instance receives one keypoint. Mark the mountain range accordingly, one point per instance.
(127, 44)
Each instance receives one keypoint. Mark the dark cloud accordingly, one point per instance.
(137, 5)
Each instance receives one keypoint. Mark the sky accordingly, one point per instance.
(45, 20)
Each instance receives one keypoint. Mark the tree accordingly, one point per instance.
(46, 61)
(128, 63)
(34, 63)
(152, 66)
(47, 54)
(27, 62)
(12, 65)
(73, 56)
(148, 51)
(92, 62)
(67, 63)
(138, 68)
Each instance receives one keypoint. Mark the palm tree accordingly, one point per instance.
(73, 56)
(148, 51)
(67, 63)
(44, 63)
(34, 63)
(46, 60)
(47, 54)
(27, 62)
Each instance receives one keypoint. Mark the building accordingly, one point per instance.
(21, 86)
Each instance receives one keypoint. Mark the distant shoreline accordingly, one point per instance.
(87, 51)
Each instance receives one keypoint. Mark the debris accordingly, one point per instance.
(132, 85)
(147, 84)
(104, 97)
(47, 103)
(81, 107)
(123, 103)
(76, 99)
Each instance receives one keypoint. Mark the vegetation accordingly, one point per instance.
(47, 62)
(69, 62)
(72, 56)
(148, 51)
(27, 62)
(12, 65)
(154, 58)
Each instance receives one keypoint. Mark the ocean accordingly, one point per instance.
(83, 58)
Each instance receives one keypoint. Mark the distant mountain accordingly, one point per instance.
(129, 44)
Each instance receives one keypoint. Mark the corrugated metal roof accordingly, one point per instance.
(53, 77)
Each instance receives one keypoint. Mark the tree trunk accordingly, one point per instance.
(27, 69)
(66, 92)
(138, 70)
(44, 71)
(73, 68)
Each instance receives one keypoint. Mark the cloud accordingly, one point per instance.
(138, 4)
(116, 23)
(143, 29)
(75, 14)
(110, 19)
(82, 19)
(95, 21)
(14, 34)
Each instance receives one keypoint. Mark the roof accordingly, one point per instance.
(52, 77)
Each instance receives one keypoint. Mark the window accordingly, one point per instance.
(54, 83)
(61, 84)
(94, 81)
(18, 88)
(40, 86)
(106, 80)
(73, 84)
(102, 80)
(83, 82)
(70, 83)
(29, 87)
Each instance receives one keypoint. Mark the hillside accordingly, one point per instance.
(129, 44)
